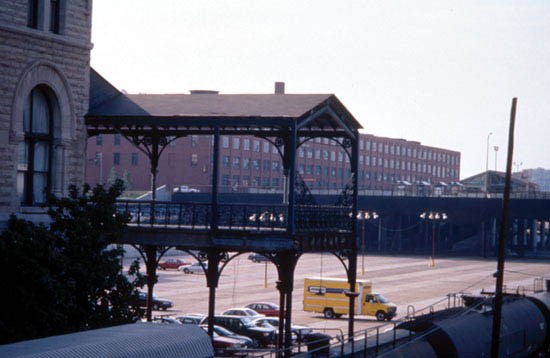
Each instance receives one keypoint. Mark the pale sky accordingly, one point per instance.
(439, 72)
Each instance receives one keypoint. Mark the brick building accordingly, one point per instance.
(250, 164)
(44, 85)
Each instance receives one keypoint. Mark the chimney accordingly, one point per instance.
(279, 88)
(203, 92)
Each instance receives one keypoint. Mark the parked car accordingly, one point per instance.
(158, 302)
(242, 311)
(266, 308)
(266, 324)
(169, 320)
(300, 331)
(173, 264)
(192, 318)
(225, 346)
(194, 268)
(262, 336)
(255, 257)
(224, 332)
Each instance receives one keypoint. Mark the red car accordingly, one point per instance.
(225, 346)
(269, 309)
(172, 264)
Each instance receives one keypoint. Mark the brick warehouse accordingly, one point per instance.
(249, 164)
(44, 66)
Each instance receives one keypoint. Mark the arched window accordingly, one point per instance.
(34, 155)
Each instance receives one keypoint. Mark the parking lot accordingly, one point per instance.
(406, 281)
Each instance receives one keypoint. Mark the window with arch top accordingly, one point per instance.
(35, 151)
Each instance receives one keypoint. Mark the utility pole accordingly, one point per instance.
(497, 309)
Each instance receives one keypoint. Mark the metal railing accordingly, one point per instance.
(249, 217)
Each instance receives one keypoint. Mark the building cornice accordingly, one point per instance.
(46, 35)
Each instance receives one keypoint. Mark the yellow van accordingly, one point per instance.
(328, 296)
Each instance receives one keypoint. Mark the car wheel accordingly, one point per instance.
(185, 270)
(155, 307)
(328, 313)
(380, 316)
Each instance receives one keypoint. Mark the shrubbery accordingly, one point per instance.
(64, 277)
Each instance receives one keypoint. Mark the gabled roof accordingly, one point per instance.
(111, 110)
(100, 89)
(492, 174)
(209, 105)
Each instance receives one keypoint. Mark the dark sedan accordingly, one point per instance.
(255, 257)
(157, 304)
(242, 325)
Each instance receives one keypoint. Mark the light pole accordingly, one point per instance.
(487, 159)
(363, 216)
(487, 164)
(496, 152)
(518, 165)
(433, 217)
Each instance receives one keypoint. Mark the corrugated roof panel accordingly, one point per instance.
(131, 340)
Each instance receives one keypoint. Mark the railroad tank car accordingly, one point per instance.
(467, 332)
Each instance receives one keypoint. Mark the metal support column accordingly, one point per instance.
(282, 294)
(215, 174)
(286, 263)
(352, 269)
(212, 279)
(534, 236)
(291, 147)
(151, 270)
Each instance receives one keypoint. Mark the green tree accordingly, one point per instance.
(66, 277)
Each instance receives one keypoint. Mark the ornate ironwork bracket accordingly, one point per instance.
(160, 252)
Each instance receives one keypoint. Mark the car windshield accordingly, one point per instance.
(250, 312)
(381, 299)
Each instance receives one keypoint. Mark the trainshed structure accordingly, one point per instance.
(125, 341)
(282, 232)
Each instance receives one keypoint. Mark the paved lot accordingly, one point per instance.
(406, 281)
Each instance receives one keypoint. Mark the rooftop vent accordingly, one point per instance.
(279, 88)
(204, 92)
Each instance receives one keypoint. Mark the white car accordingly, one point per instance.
(194, 268)
(242, 311)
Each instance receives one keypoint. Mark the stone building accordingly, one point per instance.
(44, 85)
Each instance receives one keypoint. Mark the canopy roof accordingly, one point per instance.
(112, 111)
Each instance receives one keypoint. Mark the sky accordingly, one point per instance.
(438, 72)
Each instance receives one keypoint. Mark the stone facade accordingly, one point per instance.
(31, 55)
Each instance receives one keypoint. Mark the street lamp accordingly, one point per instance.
(487, 159)
(363, 216)
(487, 164)
(433, 217)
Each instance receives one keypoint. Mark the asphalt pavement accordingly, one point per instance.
(409, 282)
